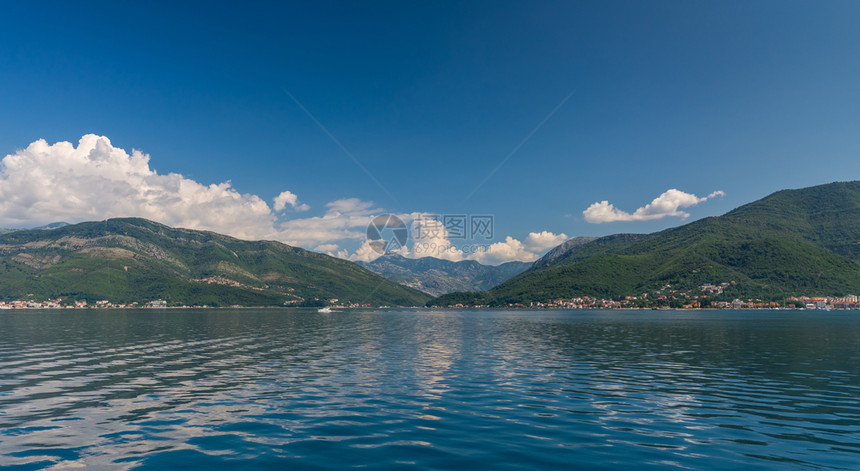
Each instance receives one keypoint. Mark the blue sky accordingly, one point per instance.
(743, 97)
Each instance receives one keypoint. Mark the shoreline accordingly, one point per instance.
(422, 308)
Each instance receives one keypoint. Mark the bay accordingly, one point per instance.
(425, 389)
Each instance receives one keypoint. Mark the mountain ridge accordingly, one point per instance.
(134, 259)
(792, 242)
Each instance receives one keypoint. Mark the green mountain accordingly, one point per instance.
(793, 242)
(561, 250)
(436, 276)
(127, 260)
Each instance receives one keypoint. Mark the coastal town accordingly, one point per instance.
(65, 303)
(60, 303)
(707, 296)
(634, 302)
(682, 300)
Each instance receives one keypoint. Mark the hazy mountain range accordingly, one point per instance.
(436, 276)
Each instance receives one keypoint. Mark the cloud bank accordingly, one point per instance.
(667, 204)
(436, 243)
(343, 219)
(95, 180)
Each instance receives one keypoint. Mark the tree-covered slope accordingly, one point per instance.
(792, 242)
(126, 260)
(828, 215)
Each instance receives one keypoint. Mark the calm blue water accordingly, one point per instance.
(285, 389)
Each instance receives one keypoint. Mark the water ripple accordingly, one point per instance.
(432, 390)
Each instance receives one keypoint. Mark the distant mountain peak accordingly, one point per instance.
(437, 276)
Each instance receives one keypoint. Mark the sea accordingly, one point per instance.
(391, 389)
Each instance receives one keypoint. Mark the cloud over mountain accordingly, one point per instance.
(95, 180)
(667, 204)
(540, 241)
(343, 219)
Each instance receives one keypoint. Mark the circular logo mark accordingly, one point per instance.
(387, 233)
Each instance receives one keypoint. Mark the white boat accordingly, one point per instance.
(324, 309)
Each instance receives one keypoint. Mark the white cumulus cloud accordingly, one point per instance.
(95, 180)
(343, 219)
(430, 238)
(545, 240)
(435, 242)
(667, 204)
(327, 248)
(366, 252)
(46, 183)
(288, 198)
(509, 250)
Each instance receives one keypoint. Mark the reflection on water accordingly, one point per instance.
(451, 389)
